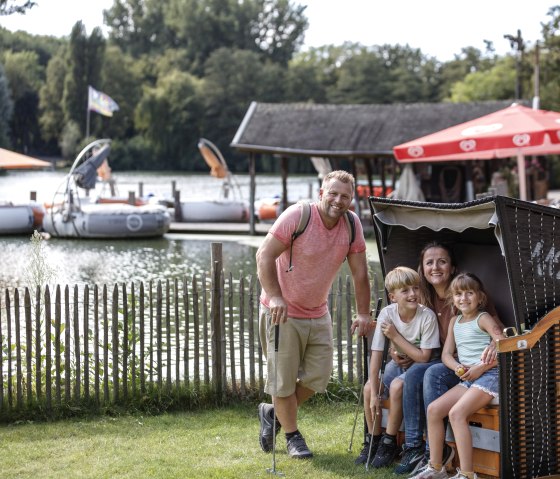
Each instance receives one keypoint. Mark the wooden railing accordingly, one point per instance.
(114, 345)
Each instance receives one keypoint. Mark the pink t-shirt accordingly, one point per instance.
(317, 256)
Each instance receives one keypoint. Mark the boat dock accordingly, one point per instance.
(218, 228)
(261, 229)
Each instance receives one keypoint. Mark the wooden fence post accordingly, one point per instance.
(216, 319)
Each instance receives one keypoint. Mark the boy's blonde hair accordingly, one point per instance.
(401, 277)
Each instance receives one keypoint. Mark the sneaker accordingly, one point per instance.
(266, 416)
(410, 458)
(430, 473)
(297, 448)
(362, 458)
(386, 453)
(460, 475)
(448, 455)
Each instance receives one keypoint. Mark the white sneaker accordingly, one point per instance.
(430, 473)
(460, 475)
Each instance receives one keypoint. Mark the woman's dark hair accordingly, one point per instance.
(427, 290)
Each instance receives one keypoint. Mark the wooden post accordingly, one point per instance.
(217, 333)
(131, 198)
(115, 345)
(140, 189)
(284, 171)
(252, 188)
(177, 205)
(33, 196)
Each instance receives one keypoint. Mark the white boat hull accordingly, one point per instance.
(107, 221)
(20, 219)
(215, 211)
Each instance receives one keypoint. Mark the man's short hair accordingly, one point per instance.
(339, 175)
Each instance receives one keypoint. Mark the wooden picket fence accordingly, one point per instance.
(115, 345)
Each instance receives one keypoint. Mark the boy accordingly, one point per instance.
(413, 332)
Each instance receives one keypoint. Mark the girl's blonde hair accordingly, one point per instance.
(400, 277)
(468, 282)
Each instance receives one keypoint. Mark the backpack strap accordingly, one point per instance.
(304, 221)
(351, 226)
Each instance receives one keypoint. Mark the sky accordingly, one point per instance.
(440, 28)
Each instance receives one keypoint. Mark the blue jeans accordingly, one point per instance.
(414, 410)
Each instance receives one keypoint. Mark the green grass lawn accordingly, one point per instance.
(213, 443)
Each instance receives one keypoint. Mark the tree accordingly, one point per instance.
(271, 28)
(233, 79)
(51, 117)
(469, 61)
(122, 80)
(9, 7)
(85, 61)
(498, 83)
(385, 74)
(168, 115)
(280, 29)
(25, 76)
(550, 61)
(138, 26)
(6, 108)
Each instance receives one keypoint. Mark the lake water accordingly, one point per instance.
(112, 261)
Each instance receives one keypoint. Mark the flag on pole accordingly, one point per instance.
(101, 102)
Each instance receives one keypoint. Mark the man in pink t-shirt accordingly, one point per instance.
(296, 299)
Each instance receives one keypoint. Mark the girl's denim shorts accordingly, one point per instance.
(489, 382)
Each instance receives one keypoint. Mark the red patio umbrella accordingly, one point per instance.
(513, 131)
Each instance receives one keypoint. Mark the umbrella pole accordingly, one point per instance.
(521, 176)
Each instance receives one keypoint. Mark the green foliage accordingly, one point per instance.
(128, 154)
(50, 97)
(25, 76)
(6, 108)
(497, 83)
(69, 140)
(9, 7)
(85, 60)
(168, 115)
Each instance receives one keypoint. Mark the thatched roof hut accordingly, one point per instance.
(364, 132)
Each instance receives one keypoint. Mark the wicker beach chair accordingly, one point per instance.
(514, 247)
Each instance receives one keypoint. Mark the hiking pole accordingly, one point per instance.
(365, 380)
(364, 347)
(272, 470)
(381, 372)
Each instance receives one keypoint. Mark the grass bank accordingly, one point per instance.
(214, 443)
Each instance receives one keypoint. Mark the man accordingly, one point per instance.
(296, 277)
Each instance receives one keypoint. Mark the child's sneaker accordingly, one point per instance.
(430, 473)
(410, 458)
(386, 453)
(362, 458)
(462, 475)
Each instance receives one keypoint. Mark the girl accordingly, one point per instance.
(470, 332)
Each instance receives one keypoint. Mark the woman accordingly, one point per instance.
(426, 382)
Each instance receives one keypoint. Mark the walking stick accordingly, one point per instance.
(365, 380)
(272, 470)
(365, 374)
(381, 372)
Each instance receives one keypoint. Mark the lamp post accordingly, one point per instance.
(517, 43)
